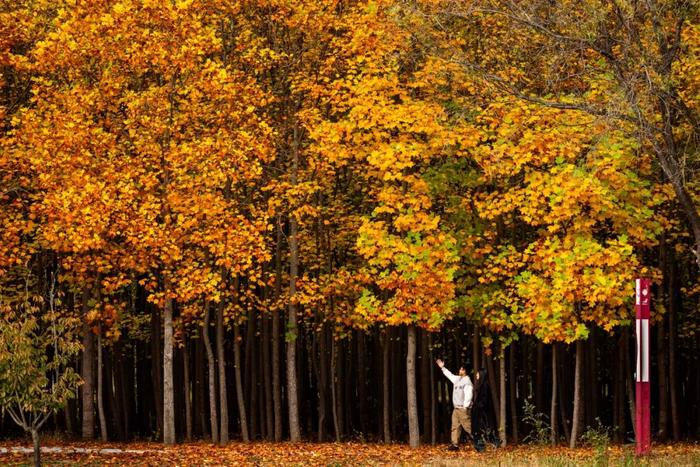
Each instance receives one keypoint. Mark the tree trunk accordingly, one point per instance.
(539, 377)
(334, 390)
(37, 448)
(672, 376)
(100, 390)
(267, 374)
(157, 368)
(87, 369)
(628, 381)
(433, 421)
(591, 379)
(386, 421)
(362, 381)
(252, 373)
(276, 384)
(114, 384)
(413, 430)
(553, 406)
(502, 399)
(476, 351)
(291, 337)
(211, 367)
(168, 387)
(562, 397)
(513, 394)
(322, 383)
(188, 389)
(223, 402)
(68, 416)
(663, 380)
(491, 372)
(425, 385)
(619, 394)
(239, 384)
(578, 397)
(198, 388)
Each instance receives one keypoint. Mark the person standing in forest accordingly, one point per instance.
(461, 400)
(482, 415)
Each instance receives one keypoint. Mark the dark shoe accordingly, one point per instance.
(453, 447)
(480, 447)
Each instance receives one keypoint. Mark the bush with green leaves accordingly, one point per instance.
(598, 437)
(36, 378)
(540, 430)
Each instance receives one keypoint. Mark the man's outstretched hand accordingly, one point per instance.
(440, 363)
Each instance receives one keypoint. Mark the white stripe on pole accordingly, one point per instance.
(645, 350)
(638, 284)
(639, 347)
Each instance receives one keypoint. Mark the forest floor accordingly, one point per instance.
(338, 454)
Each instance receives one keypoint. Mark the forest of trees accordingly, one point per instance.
(266, 219)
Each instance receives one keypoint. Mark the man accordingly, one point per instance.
(461, 400)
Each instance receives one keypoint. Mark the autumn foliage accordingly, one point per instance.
(349, 190)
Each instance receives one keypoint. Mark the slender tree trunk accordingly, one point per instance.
(199, 385)
(413, 430)
(188, 389)
(68, 416)
(619, 392)
(397, 390)
(334, 390)
(223, 402)
(341, 392)
(37, 448)
(629, 385)
(562, 397)
(433, 421)
(513, 394)
(425, 385)
(578, 397)
(362, 381)
(322, 383)
(267, 374)
(100, 389)
(386, 421)
(476, 350)
(253, 384)
(211, 367)
(247, 367)
(114, 385)
(502, 399)
(539, 377)
(276, 383)
(157, 368)
(87, 369)
(492, 385)
(663, 380)
(168, 387)
(672, 375)
(592, 379)
(553, 406)
(292, 331)
(239, 384)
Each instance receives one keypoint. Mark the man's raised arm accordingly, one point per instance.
(445, 371)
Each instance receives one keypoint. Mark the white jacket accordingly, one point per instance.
(463, 389)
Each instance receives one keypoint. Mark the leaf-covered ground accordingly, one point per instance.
(339, 454)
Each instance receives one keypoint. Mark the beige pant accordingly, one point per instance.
(461, 419)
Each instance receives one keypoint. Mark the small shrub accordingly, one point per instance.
(598, 437)
(540, 429)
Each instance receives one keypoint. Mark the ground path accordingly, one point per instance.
(336, 454)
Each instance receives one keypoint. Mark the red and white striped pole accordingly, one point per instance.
(643, 295)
